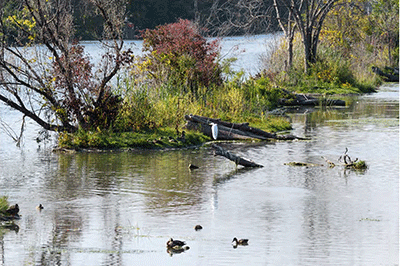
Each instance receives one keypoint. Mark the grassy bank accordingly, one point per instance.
(180, 73)
(160, 138)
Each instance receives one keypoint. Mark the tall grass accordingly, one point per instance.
(335, 72)
(3, 203)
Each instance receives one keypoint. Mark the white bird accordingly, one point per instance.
(214, 130)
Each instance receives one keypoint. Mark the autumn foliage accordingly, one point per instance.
(178, 53)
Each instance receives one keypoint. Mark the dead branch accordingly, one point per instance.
(347, 162)
(238, 160)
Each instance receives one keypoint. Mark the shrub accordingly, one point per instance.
(84, 99)
(176, 53)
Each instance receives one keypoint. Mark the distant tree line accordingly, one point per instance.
(147, 14)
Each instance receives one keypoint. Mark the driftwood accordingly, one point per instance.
(306, 100)
(232, 131)
(238, 160)
(303, 164)
(394, 77)
(347, 162)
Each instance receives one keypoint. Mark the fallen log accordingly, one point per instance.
(307, 100)
(303, 164)
(232, 131)
(238, 160)
(391, 74)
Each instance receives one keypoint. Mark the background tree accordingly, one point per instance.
(238, 17)
(44, 73)
(309, 16)
(252, 15)
(384, 26)
(288, 26)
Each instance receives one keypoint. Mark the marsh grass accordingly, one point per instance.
(360, 165)
(335, 72)
(3, 203)
(145, 139)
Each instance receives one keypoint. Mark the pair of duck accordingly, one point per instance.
(14, 209)
(178, 244)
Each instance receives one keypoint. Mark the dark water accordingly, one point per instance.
(120, 208)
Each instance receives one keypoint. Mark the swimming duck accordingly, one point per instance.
(198, 227)
(243, 242)
(40, 207)
(172, 251)
(192, 166)
(175, 243)
(12, 210)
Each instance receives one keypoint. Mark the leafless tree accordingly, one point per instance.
(288, 26)
(44, 73)
(306, 16)
(309, 16)
(230, 17)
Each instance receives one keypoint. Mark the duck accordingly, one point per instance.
(198, 227)
(175, 243)
(12, 210)
(243, 242)
(182, 138)
(172, 251)
(192, 166)
(40, 207)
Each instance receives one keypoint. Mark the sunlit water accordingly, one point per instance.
(120, 208)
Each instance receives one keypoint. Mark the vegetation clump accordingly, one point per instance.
(354, 37)
(360, 165)
(150, 139)
(3, 204)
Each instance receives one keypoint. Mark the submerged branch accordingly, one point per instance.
(238, 160)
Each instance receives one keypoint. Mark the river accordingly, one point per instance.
(120, 208)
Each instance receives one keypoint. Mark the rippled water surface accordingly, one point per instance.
(120, 208)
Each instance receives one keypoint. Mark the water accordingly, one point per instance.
(247, 50)
(120, 208)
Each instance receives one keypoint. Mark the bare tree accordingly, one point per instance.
(44, 73)
(288, 26)
(309, 16)
(230, 17)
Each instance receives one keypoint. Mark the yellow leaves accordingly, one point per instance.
(324, 75)
(23, 20)
(346, 85)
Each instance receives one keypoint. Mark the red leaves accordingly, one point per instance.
(183, 40)
(81, 96)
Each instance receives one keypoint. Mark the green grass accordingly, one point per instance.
(4, 203)
(156, 138)
(360, 165)
(150, 139)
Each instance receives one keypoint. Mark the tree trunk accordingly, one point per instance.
(290, 52)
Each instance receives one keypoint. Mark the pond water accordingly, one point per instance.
(120, 208)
